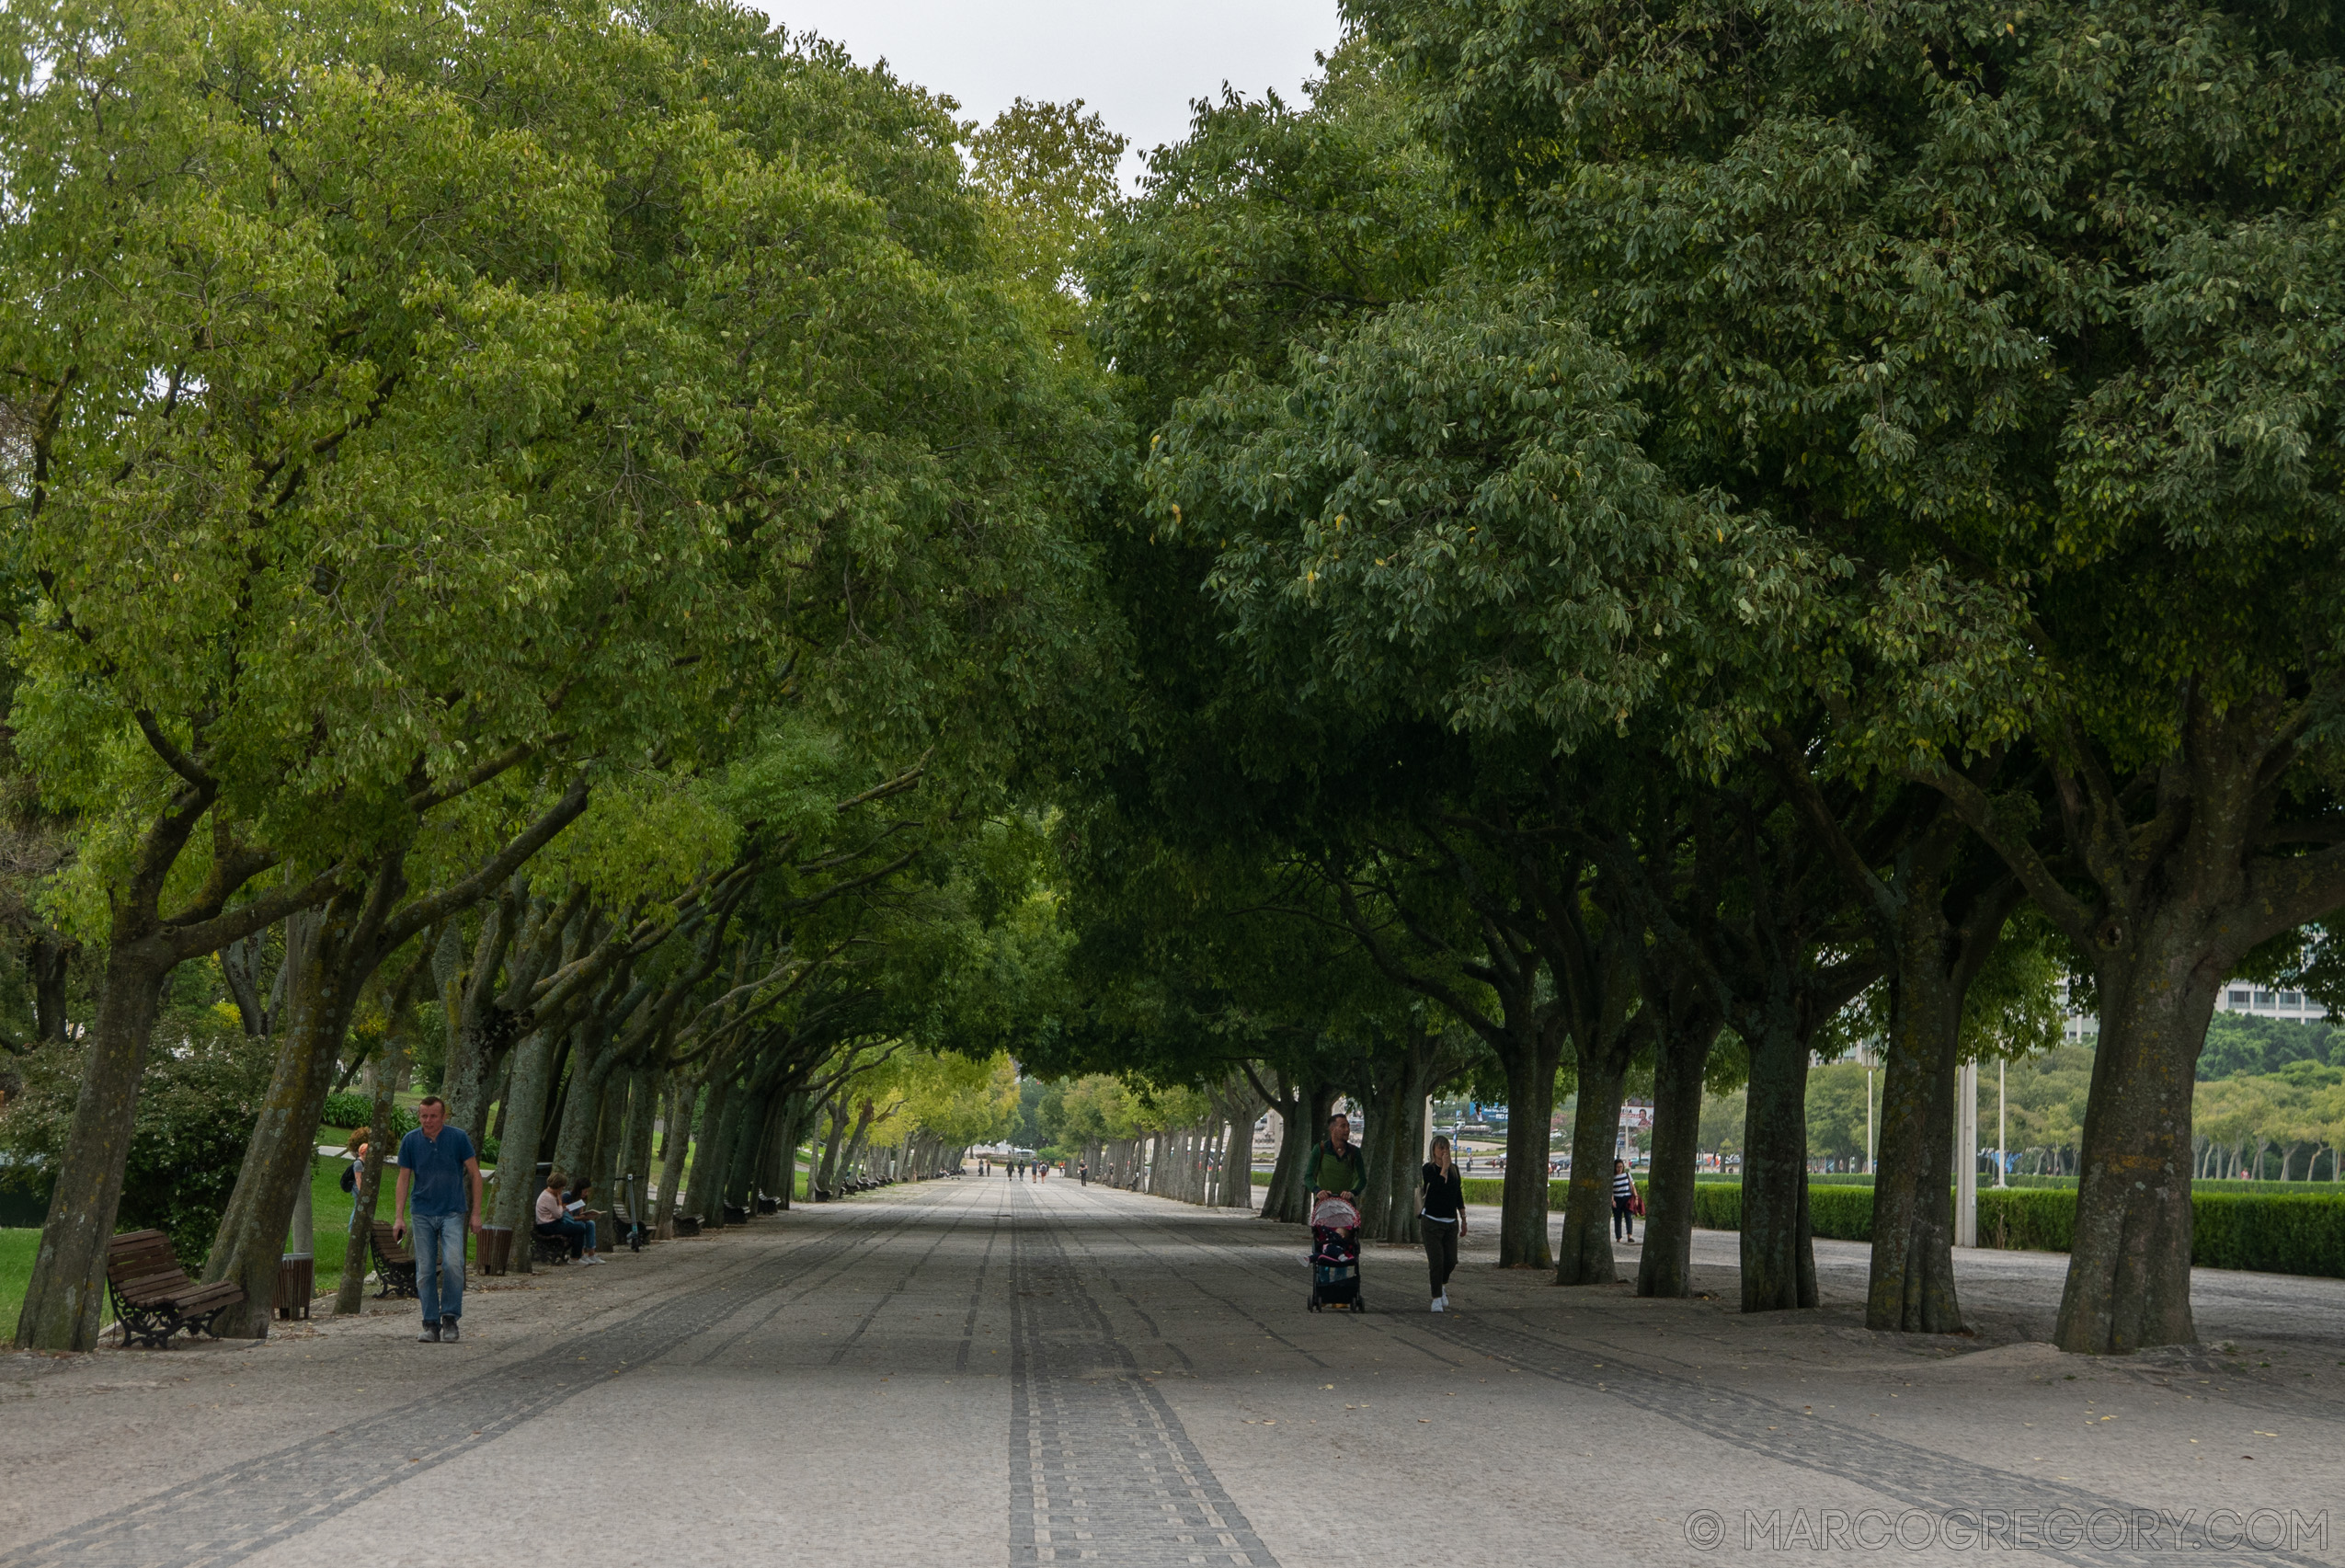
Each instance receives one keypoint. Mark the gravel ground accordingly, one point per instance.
(985, 1371)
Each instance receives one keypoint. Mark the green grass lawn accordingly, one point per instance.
(16, 1248)
(329, 1229)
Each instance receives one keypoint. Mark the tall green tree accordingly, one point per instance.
(1878, 279)
(484, 403)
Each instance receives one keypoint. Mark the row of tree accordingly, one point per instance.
(1607, 544)
(1722, 528)
(557, 518)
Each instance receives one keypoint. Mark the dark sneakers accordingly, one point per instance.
(430, 1335)
(446, 1331)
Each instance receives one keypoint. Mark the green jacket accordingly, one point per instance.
(1325, 1170)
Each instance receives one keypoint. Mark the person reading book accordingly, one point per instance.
(555, 1219)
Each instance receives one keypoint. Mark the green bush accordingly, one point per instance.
(2243, 1225)
(1718, 1205)
(2270, 1235)
(196, 1105)
(1840, 1213)
(351, 1109)
(2027, 1218)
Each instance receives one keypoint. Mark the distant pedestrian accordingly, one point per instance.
(1336, 1168)
(354, 1173)
(1624, 1202)
(1443, 1209)
(439, 1193)
(1082, 1173)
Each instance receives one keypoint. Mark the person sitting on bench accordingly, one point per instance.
(553, 1222)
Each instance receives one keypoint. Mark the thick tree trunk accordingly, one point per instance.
(67, 1295)
(748, 1142)
(47, 963)
(1912, 1284)
(1584, 1253)
(1237, 1159)
(322, 993)
(526, 1094)
(350, 1300)
(1302, 1117)
(590, 1066)
(717, 1155)
(773, 1162)
(1666, 1267)
(2129, 1266)
(1530, 1107)
(833, 1141)
(676, 1142)
(643, 1109)
(477, 1026)
(1778, 1249)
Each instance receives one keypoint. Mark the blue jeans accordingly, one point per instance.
(580, 1233)
(440, 1244)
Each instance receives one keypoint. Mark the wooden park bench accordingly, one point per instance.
(551, 1251)
(395, 1265)
(153, 1298)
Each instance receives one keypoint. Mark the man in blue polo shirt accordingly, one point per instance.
(438, 1167)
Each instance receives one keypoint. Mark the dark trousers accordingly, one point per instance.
(578, 1232)
(1440, 1251)
(1624, 1224)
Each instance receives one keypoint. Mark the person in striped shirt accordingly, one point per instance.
(1624, 1199)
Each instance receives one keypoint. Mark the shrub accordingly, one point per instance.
(196, 1105)
(1841, 1213)
(351, 1109)
(2027, 1218)
(1718, 1205)
(348, 1109)
(2269, 1234)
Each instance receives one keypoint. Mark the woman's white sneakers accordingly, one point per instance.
(1441, 1304)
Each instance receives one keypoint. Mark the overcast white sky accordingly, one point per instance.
(1138, 65)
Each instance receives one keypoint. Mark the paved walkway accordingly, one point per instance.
(984, 1371)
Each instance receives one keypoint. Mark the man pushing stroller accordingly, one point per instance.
(1335, 1174)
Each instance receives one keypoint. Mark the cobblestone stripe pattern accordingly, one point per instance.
(231, 1514)
(1101, 1470)
(1929, 1480)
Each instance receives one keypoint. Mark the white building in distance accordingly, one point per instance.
(2237, 996)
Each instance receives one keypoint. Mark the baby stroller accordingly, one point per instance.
(1336, 1257)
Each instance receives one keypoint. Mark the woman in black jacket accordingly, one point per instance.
(1444, 1213)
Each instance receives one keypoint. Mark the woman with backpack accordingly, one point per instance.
(1442, 1207)
(355, 1152)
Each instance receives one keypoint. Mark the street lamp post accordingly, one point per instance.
(2002, 1156)
(1966, 1181)
(1867, 1058)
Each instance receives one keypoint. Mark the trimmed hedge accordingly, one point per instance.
(2040, 1219)
(2269, 1235)
(2260, 1231)
(2068, 1183)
